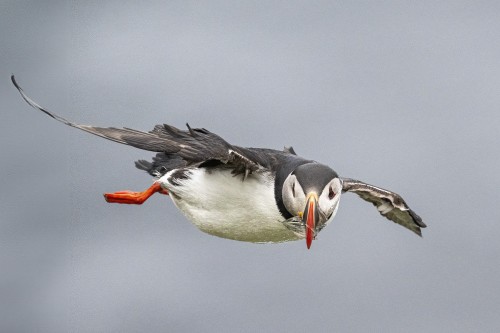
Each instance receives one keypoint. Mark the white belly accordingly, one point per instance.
(223, 205)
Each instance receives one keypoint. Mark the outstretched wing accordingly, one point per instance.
(175, 147)
(389, 204)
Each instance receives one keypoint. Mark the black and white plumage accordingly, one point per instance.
(247, 194)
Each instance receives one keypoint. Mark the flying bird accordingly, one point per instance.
(247, 194)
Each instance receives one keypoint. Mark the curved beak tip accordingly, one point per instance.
(308, 242)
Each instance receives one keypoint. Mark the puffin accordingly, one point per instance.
(254, 195)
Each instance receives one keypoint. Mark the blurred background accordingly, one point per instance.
(400, 94)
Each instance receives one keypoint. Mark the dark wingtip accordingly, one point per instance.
(13, 79)
(418, 223)
(417, 219)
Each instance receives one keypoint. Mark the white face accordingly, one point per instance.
(295, 199)
(329, 198)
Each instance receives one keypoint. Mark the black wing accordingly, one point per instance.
(175, 147)
(389, 204)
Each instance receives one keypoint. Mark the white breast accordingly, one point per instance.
(223, 205)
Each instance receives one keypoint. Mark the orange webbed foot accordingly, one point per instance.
(134, 198)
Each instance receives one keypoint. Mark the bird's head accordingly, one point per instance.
(312, 193)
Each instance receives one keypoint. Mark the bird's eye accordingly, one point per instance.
(293, 189)
(331, 194)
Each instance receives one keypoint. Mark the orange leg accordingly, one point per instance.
(136, 198)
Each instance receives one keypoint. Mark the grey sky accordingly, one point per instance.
(403, 95)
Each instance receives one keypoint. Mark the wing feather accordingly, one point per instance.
(389, 204)
(175, 147)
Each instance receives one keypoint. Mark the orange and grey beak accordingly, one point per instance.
(311, 217)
